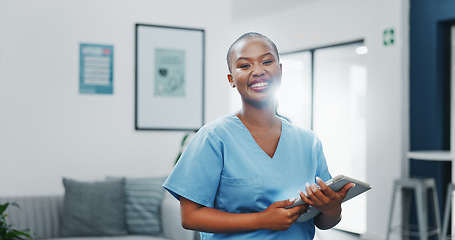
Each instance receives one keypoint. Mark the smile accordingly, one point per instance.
(259, 85)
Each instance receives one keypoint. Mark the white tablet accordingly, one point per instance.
(336, 184)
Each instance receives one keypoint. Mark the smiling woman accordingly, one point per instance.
(239, 173)
(255, 71)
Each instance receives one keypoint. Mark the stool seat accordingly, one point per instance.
(420, 187)
(415, 182)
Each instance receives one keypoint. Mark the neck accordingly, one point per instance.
(261, 117)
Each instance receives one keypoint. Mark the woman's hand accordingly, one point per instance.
(277, 217)
(327, 201)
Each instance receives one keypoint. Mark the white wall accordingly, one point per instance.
(48, 130)
(322, 23)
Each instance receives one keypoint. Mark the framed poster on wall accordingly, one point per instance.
(96, 74)
(169, 78)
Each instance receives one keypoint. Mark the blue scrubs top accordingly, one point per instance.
(224, 168)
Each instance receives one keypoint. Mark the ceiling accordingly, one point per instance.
(247, 9)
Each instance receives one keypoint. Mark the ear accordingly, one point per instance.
(231, 80)
(281, 69)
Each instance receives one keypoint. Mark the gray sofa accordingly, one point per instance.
(42, 215)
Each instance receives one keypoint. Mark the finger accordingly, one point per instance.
(298, 210)
(324, 192)
(308, 190)
(324, 187)
(318, 197)
(305, 209)
(344, 191)
(302, 209)
(321, 183)
(284, 203)
(305, 198)
(316, 194)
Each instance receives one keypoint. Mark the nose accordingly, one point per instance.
(258, 71)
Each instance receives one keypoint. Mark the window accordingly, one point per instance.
(340, 82)
(324, 90)
(294, 99)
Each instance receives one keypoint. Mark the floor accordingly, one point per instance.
(332, 234)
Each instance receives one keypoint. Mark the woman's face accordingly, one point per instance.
(256, 71)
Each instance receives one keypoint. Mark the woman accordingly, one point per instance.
(239, 173)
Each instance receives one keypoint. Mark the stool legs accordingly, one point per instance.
(406, 205)
(437, 213)
(420, 188)
(389, 230)
(447, 210)
(421, 197)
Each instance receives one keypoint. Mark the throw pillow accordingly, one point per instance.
(93, 208)
(143, 198)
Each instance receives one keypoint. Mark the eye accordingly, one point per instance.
(267, 62)
(243, 66)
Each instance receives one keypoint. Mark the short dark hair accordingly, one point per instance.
(249, 35)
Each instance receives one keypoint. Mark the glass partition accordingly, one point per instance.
(294, 100)
(340, 83)
(325, 90)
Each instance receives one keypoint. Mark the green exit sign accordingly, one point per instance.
(388, 37)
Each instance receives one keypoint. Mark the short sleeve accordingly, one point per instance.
(322, 169)
(197, 174)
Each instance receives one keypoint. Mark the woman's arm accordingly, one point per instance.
(327, 201)
(206, 219)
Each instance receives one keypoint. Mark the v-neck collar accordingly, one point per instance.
(254, 140)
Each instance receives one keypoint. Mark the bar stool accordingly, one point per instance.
(447, 209)
(420, 186)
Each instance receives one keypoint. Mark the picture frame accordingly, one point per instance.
(169, 78)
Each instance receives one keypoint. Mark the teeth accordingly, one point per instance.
(261, 84)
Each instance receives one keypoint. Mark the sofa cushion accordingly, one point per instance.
(143, 198)
(93, 208)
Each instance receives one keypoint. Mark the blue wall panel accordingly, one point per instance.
(430, 87)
